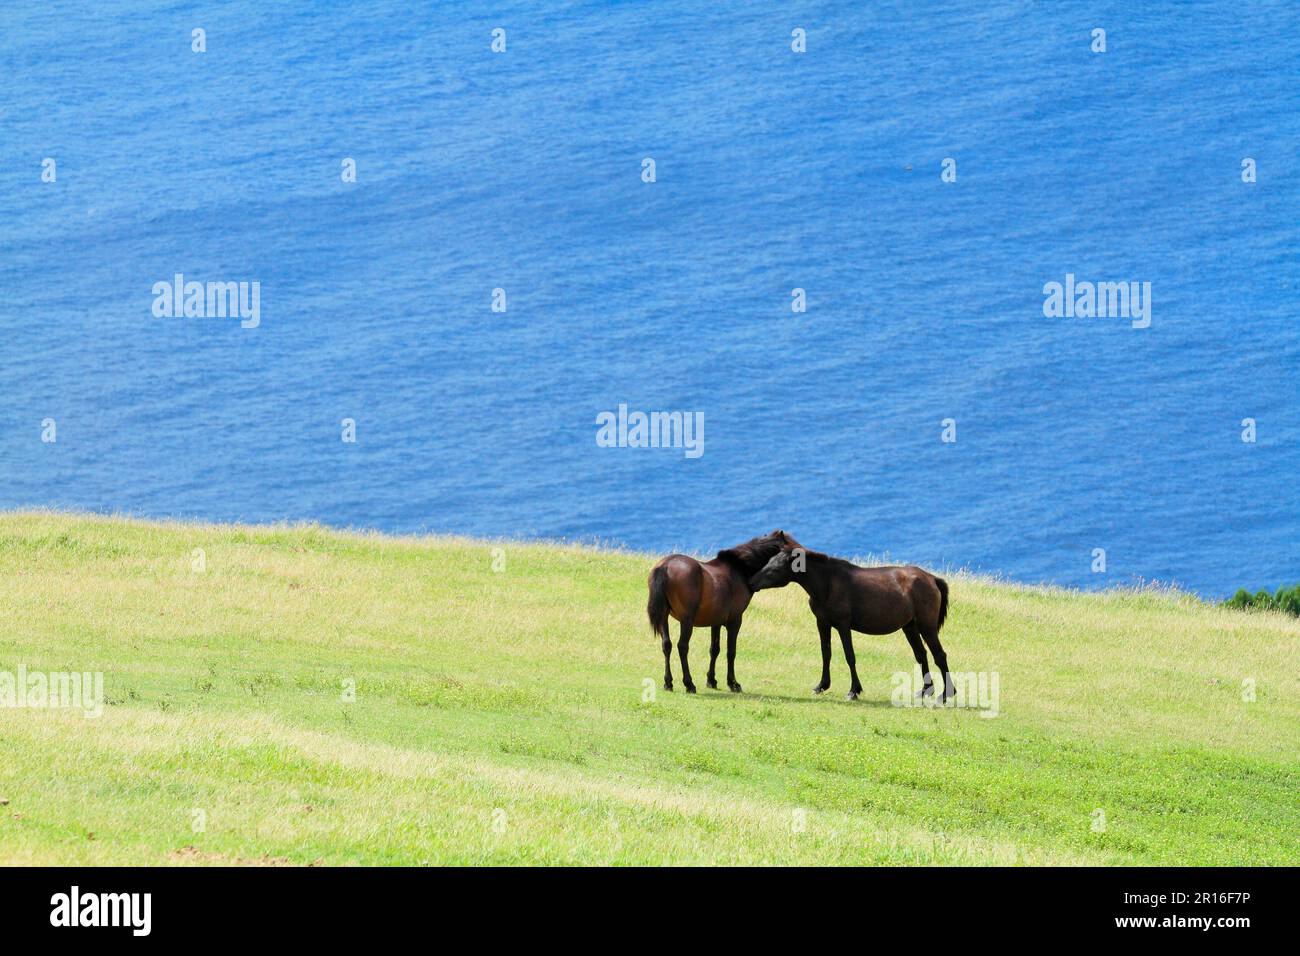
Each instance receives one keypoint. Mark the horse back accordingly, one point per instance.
(886, 599)
(726, 593)
(707, 592)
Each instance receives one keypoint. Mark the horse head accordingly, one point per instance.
(787, 541)
(778, 572)
(756, 552)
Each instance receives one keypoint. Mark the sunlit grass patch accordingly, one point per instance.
(316, 696)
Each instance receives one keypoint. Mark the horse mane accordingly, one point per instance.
(752, 555)
(829, 559)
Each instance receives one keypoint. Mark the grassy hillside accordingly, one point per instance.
(498, 716)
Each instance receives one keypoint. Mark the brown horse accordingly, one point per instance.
(870, 600)
(708, 594)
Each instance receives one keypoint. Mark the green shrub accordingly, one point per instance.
(1288, 599)
(1285, 599)
(1241, 600)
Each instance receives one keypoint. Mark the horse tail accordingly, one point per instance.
(943, 601)
(657, 607)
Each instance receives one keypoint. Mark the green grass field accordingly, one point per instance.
(499, 716)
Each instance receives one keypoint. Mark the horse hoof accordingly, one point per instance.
(734, 688)
(819, 689)
(668, 687)
(852, 695)
(926, 691)
(712, 684)
(690, 688)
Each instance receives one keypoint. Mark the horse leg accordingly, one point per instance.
(846, 638)
(684, 648)
(824, 632)
(715, 642)
(918, 651)
(931, 636)
(667, 642)
(733, 630)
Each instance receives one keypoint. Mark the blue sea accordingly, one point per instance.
(774, 170)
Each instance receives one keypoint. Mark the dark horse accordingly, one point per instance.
(708, 594)
(871, 600)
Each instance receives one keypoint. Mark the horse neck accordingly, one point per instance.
(813, 579)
